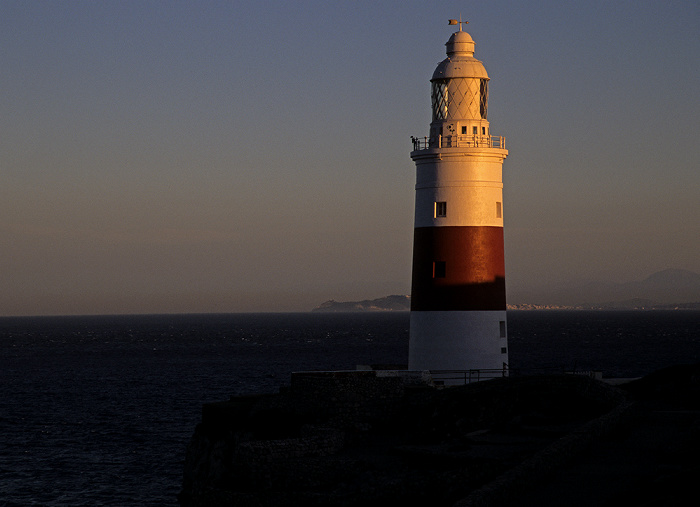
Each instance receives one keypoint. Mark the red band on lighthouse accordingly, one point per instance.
(473, 276)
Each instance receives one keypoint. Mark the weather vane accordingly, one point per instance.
(457, 22)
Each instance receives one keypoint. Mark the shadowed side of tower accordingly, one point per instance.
(458, 298)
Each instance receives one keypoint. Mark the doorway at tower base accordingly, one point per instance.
(458, 340)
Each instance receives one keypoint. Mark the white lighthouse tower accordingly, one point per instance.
(458, 295)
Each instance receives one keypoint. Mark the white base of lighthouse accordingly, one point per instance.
(457, 340)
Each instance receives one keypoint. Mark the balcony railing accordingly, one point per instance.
(459, 141)
(458, 377)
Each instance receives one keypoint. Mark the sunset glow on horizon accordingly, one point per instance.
(176, 157)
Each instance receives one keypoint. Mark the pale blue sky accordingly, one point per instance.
(221, 156)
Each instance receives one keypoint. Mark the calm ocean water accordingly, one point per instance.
(99, 410)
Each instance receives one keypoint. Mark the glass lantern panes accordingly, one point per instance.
(484, 98)
(439, 98)
(457, 99)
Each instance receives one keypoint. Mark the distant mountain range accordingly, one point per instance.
(668, 289)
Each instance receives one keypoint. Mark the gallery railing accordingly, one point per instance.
(459, 141)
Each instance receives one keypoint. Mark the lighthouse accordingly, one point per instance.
(458, 293)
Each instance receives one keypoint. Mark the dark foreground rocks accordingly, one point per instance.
(371, 438)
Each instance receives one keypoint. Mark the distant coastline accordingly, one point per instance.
(671, 289)
(395, 303)
(403, 304)
(620, 305)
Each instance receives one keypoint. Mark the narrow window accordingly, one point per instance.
(464, 129)
(502, 326)
(499, 210)
(483, 131)
(440, 209)
(475, 130)
(504, 350)
(439, 269)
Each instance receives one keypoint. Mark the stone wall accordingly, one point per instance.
(347, 399)
(314, 441)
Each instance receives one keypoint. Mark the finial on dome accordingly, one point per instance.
(455, 22)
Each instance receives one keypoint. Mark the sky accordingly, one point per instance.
(230, 156)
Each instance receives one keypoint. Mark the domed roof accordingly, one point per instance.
(460, 61)
(460, 42)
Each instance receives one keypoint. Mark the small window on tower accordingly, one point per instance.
(475, 130)
(439, 269)
(504, 350)
(499, 210)
(502, 328)
(440, 209)
(464, 129)
(483, 131)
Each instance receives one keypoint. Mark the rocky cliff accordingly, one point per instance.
(363, 438)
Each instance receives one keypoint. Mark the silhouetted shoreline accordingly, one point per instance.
(346, 438)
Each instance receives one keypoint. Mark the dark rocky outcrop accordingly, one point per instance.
(371, 438)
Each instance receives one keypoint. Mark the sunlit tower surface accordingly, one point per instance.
(458, 294)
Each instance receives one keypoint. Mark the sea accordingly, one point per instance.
(98, 410)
